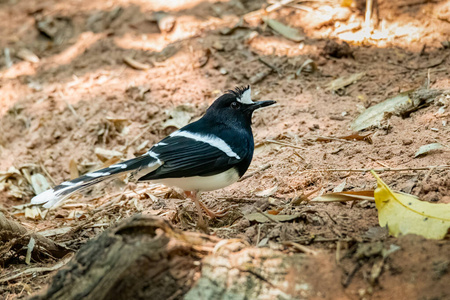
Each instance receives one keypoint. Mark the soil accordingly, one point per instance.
(81, 96)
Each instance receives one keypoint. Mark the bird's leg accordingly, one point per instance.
(194, 197)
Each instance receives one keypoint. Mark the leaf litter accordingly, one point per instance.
(289, 173)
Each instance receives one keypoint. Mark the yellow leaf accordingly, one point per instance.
(404, 213)
(346, 3)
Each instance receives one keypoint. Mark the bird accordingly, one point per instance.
(208, 154)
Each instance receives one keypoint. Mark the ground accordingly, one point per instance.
(109, 77)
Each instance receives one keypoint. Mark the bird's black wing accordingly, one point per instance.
(187, 155)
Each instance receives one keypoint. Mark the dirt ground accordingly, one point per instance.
(83, 106)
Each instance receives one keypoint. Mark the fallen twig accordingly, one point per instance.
(323, 240)
(378, 170)
(301, 248)
(16, 234)
(258, 77)
(72, 110)
(269, 65)
(41, 164)
(33, 271)
(239, 200)
(284, 144)
(260, 169)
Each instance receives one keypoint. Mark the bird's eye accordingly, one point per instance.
(235, 105)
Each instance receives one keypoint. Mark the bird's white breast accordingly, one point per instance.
(202, 183)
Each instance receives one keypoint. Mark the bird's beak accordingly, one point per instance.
(259, 104)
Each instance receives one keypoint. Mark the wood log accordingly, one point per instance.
(141, 258)
(145, 258)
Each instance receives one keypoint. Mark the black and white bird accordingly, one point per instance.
(206, 155)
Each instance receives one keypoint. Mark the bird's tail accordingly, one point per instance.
(55, 195)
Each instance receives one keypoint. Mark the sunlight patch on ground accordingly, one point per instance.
(383, 37)
(273, 45)
(186, 27)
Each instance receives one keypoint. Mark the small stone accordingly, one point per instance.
(218, 45)
(407, 142)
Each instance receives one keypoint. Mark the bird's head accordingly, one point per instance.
(236, 106)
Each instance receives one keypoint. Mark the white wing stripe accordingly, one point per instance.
(97, 174)
(122, 166)
(212, 140)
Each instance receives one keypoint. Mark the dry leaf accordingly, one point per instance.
(286, 31)
(142, 146)
(373, 116)
(73, 169)
(56, 231)
(263, 242)
(402, 104)
(120, 124)
(425, 149)
(30, 248)
(16, 191)
(179, 116)
(165, 22)
(135, 64)
(33, 213)
(274, 211)
(109, 162)
(346, 3)
(12, 171)
(309, 66)
(27, 55)
(39, 183)
(358, 137)
(345, 196)
(105, 154)
(340, 187)
(341, 82)
(404, 213)
(261, 217)
(268, 192)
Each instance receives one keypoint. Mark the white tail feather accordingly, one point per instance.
(43, 197)
(139, 166)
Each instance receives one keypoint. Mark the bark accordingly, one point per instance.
(141, 258)
(145, 258)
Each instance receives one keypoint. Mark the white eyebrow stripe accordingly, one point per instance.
(210, 139)
(246, 97)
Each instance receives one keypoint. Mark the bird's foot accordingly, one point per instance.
(211, 213)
